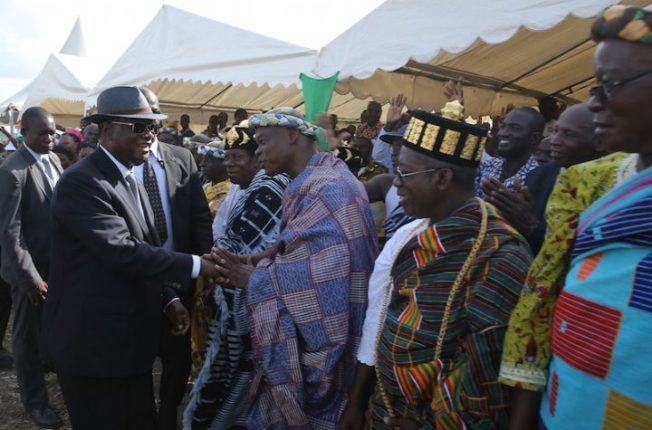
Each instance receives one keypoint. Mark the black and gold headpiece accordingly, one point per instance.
(440, 136)
(240, 137)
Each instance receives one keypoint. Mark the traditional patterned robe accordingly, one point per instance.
(307, 302)
(601, 373)
(527, 351)
(219, 396)
(460, 388)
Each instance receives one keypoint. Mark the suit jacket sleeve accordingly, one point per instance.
(84, 207)
(22, 272)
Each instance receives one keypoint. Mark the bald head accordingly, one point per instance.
(152, 99)
(573, 140)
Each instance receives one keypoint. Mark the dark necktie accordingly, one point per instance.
(133, 189)
(151, 186)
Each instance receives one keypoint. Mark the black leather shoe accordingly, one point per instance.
(46, 418)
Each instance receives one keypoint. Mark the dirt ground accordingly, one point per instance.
(12, 414)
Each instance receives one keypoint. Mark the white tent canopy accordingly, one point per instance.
(63, 83)
(508, 51)
(196, 65)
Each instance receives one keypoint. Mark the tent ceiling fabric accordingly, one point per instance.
(194, 62)
(515, 51)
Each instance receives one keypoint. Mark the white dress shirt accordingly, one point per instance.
(40, 159)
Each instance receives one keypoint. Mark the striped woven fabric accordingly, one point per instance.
(307, 302)
(459, 389)
(601, 326)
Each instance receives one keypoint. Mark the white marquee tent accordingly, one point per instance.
(63, 83)
(507, 51)
(197, 66)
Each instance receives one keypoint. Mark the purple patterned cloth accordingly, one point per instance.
(307, 303)
(494, 167)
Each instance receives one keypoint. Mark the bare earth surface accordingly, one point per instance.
(12, 414)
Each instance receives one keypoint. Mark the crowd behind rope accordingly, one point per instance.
(417, 273)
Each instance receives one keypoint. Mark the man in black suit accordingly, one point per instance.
(182, 218)
(27, 179)
(103, 312)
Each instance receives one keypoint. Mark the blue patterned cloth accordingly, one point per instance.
(307, 302)
(493, 167)
(600, 374)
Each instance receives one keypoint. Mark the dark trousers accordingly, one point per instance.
(5, 309)
(27, 360)
(176, 361)
(109, 403)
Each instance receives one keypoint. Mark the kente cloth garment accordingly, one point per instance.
(459, 389)
(493, 167)
(601, 372)
(368, 131)
(307, 302)
(526, 354)
(215, 194)
(219, 396)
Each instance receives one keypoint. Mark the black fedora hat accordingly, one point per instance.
(123, 102)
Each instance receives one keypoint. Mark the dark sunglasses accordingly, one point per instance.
(138, 127)
(604, 91)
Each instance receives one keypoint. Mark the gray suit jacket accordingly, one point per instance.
(25, 226)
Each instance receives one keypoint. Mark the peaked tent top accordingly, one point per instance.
(180, 46)
(76, 43)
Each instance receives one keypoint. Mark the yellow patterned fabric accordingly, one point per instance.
(215, 195)
(526, 352)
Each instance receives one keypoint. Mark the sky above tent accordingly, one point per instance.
(32, 29)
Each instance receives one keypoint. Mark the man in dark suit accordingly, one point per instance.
(182, 218)
(27, 179)
(103, 312)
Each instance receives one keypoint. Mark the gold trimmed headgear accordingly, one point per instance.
(240, 137)
(447, 139)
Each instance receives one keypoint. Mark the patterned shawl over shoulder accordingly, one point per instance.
(307, 303)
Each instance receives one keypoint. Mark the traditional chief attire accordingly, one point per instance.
(448, 290)
(219, 397)
(307, 302)
(590, 340)
(215, 193)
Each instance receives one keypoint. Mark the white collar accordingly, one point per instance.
(36, 155)
(124, 171)
(153, 148)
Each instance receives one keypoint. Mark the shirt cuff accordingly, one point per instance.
(196, 265)
(176, 299)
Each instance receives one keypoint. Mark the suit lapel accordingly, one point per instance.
(122, 189)
(152, 234)
(172, 171)
(35, 172)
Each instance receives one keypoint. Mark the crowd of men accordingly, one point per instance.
(422, 273)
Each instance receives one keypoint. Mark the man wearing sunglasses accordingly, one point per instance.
(103, 311)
